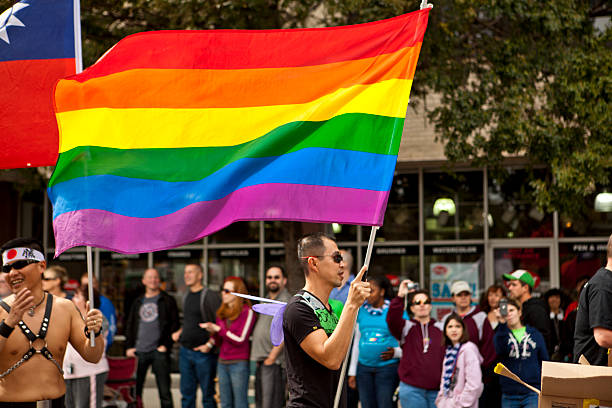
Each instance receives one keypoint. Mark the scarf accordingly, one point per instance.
(450, 361)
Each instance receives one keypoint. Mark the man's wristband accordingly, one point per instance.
(96, 334)
(5, 329)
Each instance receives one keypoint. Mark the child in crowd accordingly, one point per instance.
(461, 383)
(521, 349)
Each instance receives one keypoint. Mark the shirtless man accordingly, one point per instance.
(30, 370)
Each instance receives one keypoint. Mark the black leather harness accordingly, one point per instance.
(33, 338)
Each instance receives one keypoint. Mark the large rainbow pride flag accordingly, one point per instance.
(173, 135)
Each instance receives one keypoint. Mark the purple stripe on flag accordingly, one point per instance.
(289, 202)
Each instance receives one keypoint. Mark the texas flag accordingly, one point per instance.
(39, 44)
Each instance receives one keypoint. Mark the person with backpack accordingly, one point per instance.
(198, 356)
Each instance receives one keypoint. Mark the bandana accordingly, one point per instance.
(21, 254)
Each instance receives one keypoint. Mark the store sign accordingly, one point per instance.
(463, 249)
(124, 256)
(590, 247)
(442, 276)
(396, 250)
(234, 253)
(71, 257)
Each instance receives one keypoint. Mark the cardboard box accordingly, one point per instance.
(566, 385)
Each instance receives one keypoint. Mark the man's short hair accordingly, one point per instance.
(24, 243)
(197, 265)
(311, 245)
(279, 267)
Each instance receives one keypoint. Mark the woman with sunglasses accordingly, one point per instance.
(53, 280)
(420, 367)
(235, 323)
(461, 382)
(373, 367)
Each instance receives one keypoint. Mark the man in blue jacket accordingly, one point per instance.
(521, 349)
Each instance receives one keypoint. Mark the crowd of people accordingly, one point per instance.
(399, 354)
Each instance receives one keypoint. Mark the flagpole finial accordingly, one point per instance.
(425, 4)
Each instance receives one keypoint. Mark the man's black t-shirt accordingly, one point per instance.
(310, 383)
(193, 335)
(594, 310)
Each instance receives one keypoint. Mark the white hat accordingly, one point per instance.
(460, 286)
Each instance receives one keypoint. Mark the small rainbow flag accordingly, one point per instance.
(173, 135)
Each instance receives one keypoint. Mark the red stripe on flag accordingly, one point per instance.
(247, 49)
(28, 129)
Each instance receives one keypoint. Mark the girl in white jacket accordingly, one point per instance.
(461, 382)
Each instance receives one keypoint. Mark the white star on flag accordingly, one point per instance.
(7, 19)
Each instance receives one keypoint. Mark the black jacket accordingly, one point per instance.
(168, 320)
(536, 315)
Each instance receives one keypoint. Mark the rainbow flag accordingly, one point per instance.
(173, 135)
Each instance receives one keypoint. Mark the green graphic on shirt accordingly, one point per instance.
(328, 321)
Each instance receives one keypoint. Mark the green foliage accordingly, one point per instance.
(515, 77)
(519, 78)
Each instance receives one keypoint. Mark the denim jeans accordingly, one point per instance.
(413, 397)
(161, 368)
(529, 400)
(376, 385)
(197, 368)
(234, 384)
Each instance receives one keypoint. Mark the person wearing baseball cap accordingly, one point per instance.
(478, 327)
(520, 284)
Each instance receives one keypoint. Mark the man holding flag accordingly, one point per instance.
(316, 340)
(31, 356)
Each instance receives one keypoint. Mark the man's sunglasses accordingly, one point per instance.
(336, 257)
(46, 278)
(421, 302)
(18, 265)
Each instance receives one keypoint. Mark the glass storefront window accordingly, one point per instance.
(579, 261)
(274, 231)
(171, 267)
(243, 231)
(513, 214)
(597, 222)
(453, 205)
(120, 281)
(402, 216)
(534, 260)
(395, 262)
(241, 262)
(446, 264)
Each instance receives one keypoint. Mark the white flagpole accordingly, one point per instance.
(345, 362)
(78, 61)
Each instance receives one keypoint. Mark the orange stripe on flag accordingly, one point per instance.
(211, 88)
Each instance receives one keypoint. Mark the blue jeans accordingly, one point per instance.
(234, 384)
(413, 397)
(197, 368)
(376, 385)
(520, 400)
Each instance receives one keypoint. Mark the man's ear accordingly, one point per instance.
(43, 266)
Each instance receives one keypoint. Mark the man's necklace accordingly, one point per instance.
(31, 311)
